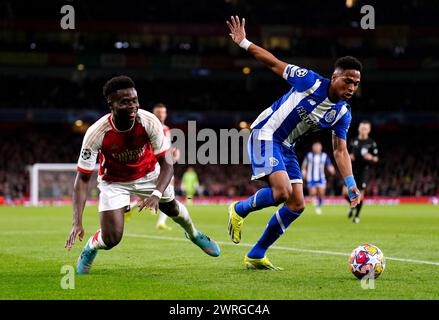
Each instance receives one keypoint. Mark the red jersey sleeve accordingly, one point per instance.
(154, 129)
(91, 145)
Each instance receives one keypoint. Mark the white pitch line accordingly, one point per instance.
(280, 248)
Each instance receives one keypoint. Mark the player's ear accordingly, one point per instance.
(110, 104)
(337, 72)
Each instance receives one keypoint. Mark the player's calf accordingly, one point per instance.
(179, 213)
(171, 208)
(276, 226)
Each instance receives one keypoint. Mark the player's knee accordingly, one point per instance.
(112, 239)
(295, 205)
(281, 194)
(171, 208)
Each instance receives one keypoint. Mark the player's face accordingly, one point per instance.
(161, 114)
(317, 148)
(345, 83)
(124, 104)
(364, 129)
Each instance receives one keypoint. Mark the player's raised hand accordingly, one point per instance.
(237, 29)
(77, 231)
(354, 196)
(151, 203)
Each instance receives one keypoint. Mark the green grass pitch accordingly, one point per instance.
(152, 264)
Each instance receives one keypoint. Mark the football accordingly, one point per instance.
(367, 259)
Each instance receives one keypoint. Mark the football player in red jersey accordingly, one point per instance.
(129, 143)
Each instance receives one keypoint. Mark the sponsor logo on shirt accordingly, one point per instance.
(129, 155)
(305, 116)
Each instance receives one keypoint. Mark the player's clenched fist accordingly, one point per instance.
(237, 30)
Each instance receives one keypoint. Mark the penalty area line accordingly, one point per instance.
(333, 253)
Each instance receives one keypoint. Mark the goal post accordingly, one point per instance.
(56, 177)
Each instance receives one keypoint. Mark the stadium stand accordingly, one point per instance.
(53, 78)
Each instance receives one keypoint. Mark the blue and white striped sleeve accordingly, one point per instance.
(300, 78)
(340, 129)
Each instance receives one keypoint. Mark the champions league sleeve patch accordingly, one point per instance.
(86, 154)
(301, 72)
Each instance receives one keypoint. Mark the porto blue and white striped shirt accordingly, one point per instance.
(305, 108)
(315, 164)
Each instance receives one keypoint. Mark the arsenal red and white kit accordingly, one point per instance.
(123, 155)
(127, 159)
(167, 133)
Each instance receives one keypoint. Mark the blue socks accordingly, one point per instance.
(263, 198)
(277, 225)
(319, 202)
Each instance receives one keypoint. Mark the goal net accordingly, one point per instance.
(52, 183)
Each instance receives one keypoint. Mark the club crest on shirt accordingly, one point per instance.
(301, 72)
(273, 161)
(86, 154)
(330, 116)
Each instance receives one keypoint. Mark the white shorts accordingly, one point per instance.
(116, 195)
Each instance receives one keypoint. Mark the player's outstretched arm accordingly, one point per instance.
(344, 164)
(237, 33)
(163, 180)
(79, 198)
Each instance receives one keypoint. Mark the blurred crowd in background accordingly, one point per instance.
(408, 166)
(179, 53)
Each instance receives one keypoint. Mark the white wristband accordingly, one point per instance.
(245, 44)
(157, 194)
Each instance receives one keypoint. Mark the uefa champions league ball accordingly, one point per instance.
(367, 260)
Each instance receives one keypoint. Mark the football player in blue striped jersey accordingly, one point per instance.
(313, 103)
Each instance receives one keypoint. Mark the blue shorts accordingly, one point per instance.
(270, 156)
(316, 183)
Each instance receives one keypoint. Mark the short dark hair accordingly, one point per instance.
(117, 83)
(366, 122)
(348, 62)
(159, 105)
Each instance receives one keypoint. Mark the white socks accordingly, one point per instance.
(185, 221)
(162, 218)
(96, 241)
